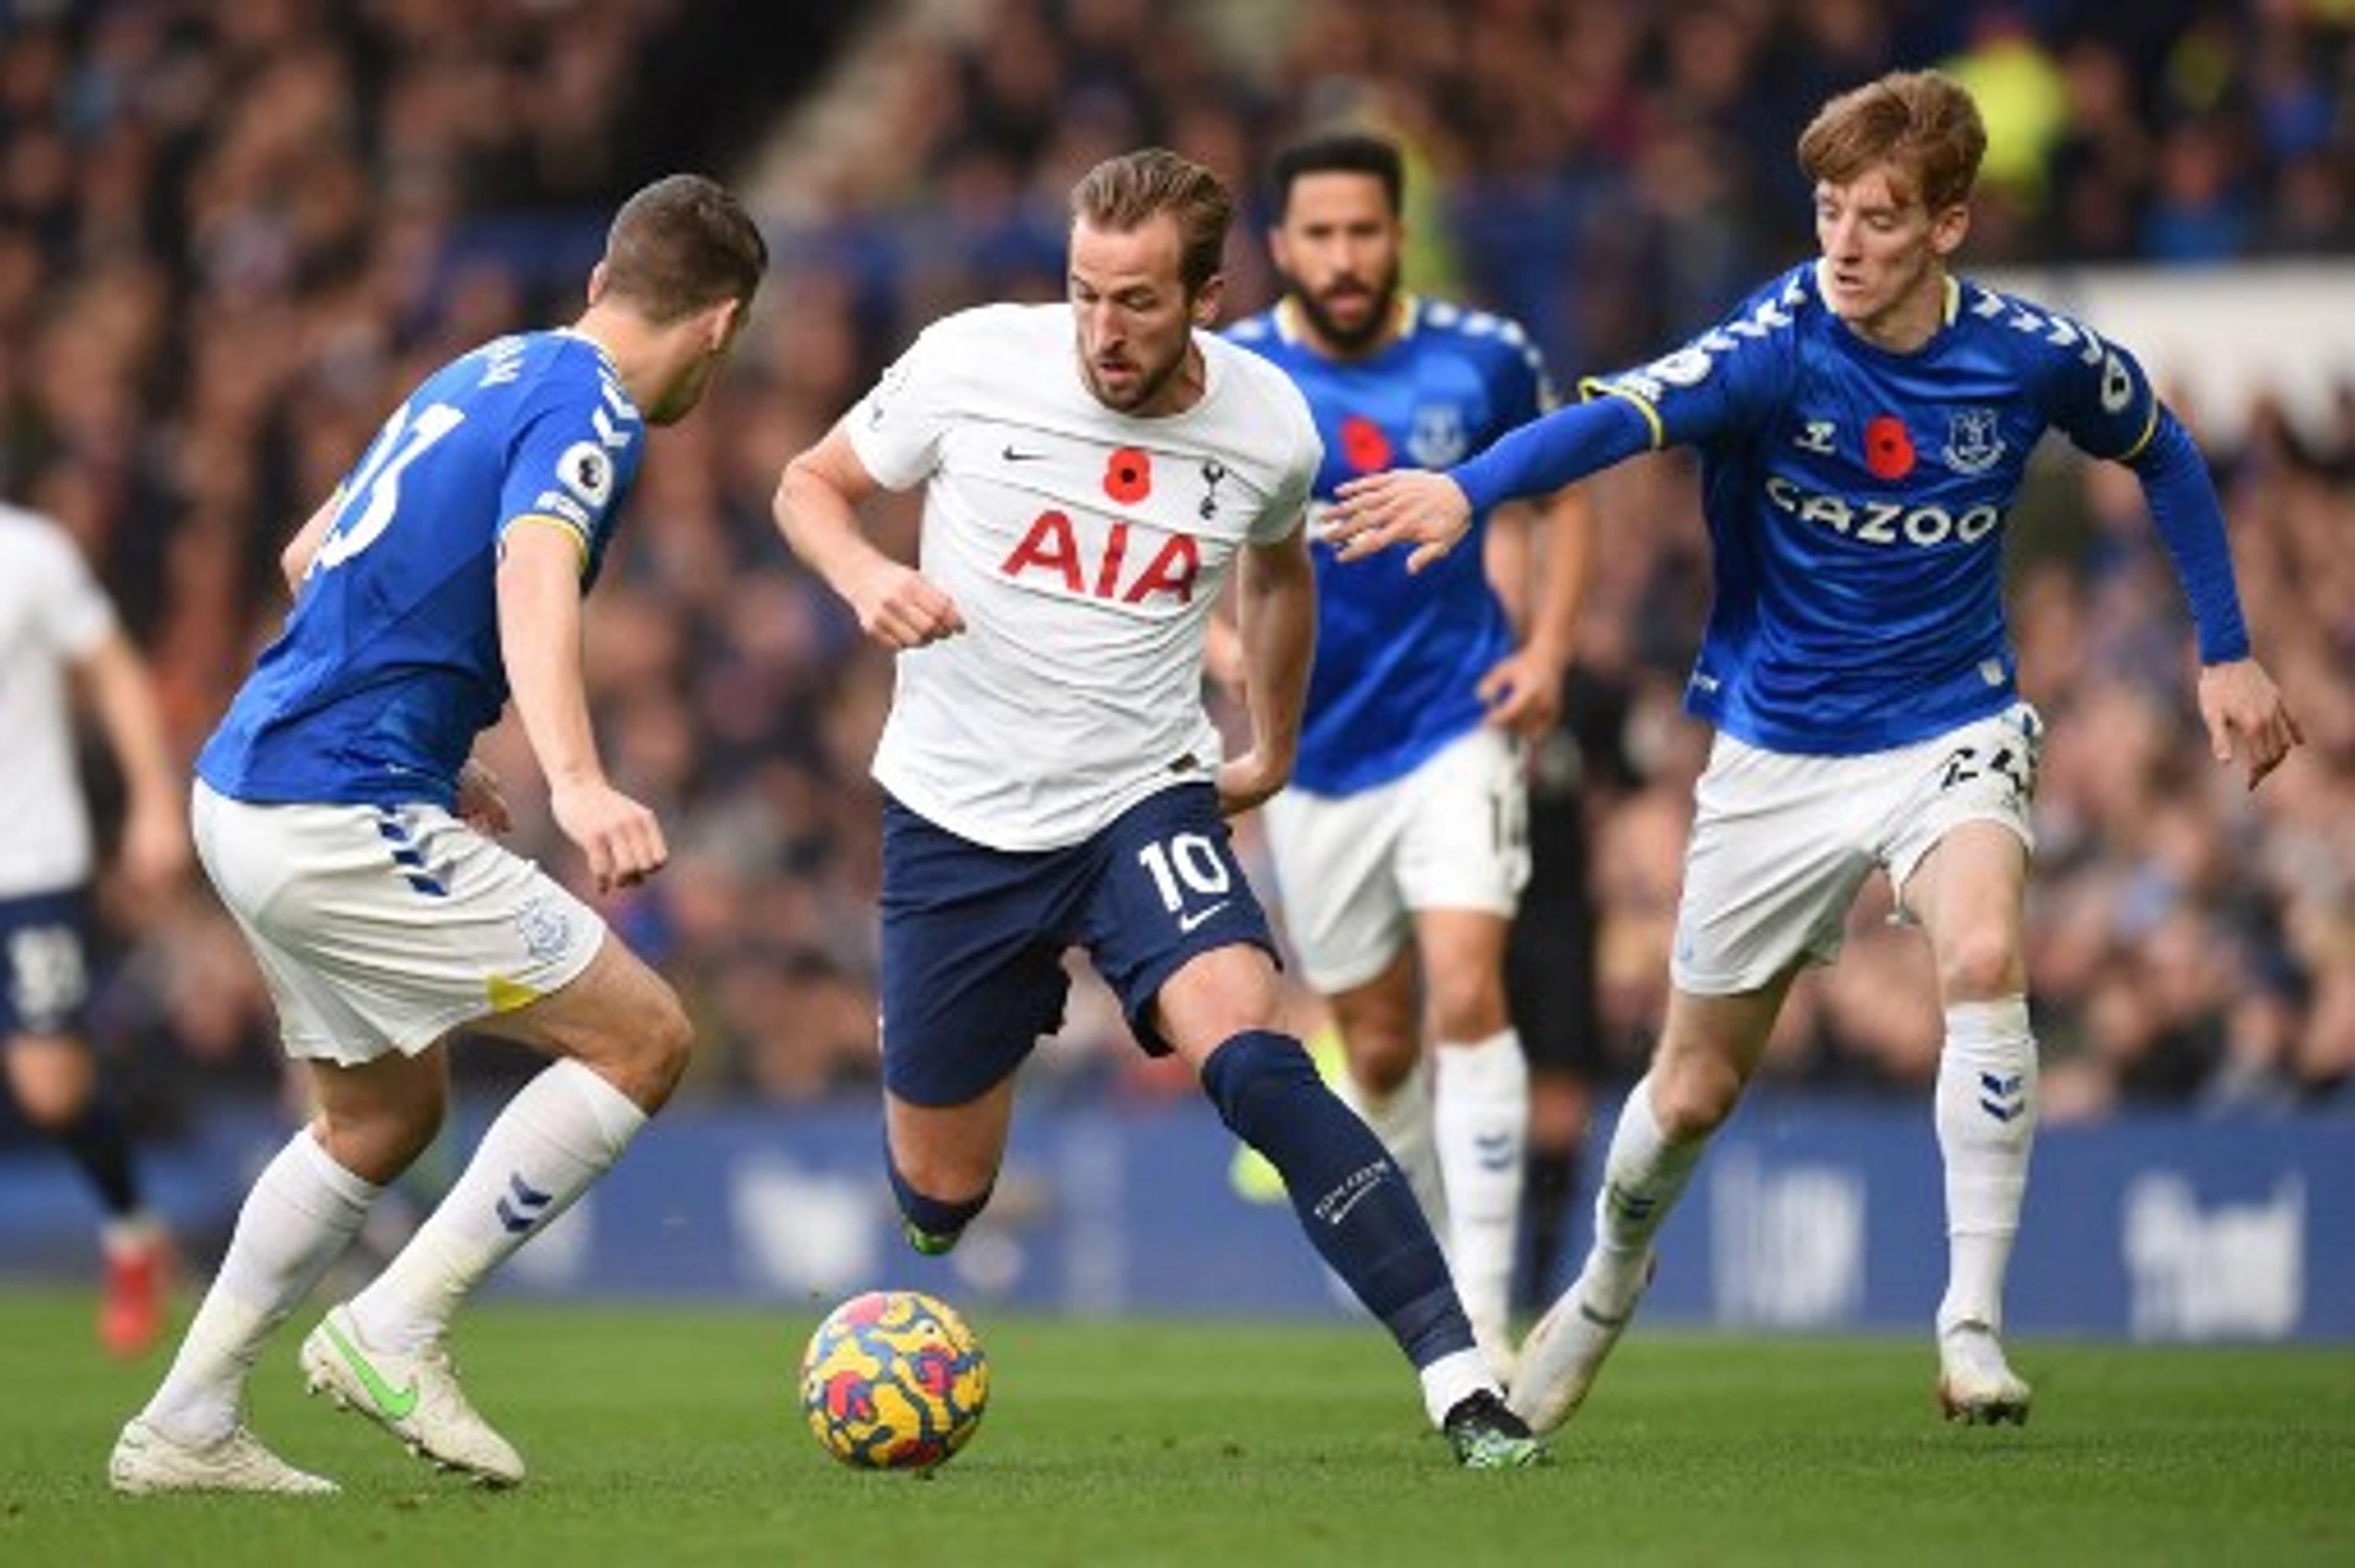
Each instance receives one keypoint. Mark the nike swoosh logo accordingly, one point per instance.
(396, 1402)
(1189, 921)
(1013, 454)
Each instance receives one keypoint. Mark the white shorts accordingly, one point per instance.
(1781, 843)
(1354, 869)
(382, 928)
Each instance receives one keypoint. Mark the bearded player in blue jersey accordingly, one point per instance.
(1400, 843)
(1864, 421)
(340, 816)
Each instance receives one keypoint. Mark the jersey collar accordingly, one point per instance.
(1406, 309)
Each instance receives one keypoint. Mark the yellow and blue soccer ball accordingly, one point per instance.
(893, 1380)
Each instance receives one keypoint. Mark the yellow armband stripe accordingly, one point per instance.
(1590, 388)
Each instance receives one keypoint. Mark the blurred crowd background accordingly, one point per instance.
(231, 236)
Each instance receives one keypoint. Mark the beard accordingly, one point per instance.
(1148, 384)
(1349, 339)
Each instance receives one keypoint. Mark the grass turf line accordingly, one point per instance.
(673, 1435)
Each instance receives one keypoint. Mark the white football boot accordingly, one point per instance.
(1564, 1353)
(1976, 1385)
(414, 1397)
(146, 1461)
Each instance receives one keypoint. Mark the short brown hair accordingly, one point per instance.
(1923, 122)
(1120, 193)
(681, 244)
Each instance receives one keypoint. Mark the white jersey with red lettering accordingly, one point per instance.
(1084, 549)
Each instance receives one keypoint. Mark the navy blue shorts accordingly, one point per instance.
(973, 938)
(44, 962)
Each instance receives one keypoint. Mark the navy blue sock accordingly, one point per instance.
(933, 1226)
(1353, 1201)
(100, 1145)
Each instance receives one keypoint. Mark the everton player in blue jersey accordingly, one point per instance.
(1400, 836)
(1864, 421)
(338, 814)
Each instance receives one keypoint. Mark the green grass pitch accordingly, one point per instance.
(668, 1435)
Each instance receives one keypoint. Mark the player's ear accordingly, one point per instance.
(720, 324)
(1947, 229)
(598, 277)
(1208, 299)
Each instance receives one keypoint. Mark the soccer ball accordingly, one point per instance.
(893, 1380)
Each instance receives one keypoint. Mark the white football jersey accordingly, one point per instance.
(1085, 549)
(53, 614)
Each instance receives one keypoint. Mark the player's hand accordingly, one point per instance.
(154, 855)
(1404, 505)
(622, 838)
(899, 608)
(1249, 781)
(482, 803)
(1523, 693)
(2239, 699)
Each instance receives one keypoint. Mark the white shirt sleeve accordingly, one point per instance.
(897, 427)
(72, 611)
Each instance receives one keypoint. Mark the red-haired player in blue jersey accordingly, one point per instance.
(1864, 422)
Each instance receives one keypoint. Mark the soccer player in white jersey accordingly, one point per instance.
(58, 631)
(1092, 473)
(1864, 421)
(340, 816)
(1399, 845)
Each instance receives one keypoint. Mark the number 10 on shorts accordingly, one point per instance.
(1187, 862)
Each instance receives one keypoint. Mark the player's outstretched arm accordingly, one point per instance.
(540, 638)
(1431, 511)
(1403, 506)
(816, 510)
(1522, 691)
(2239, 699)
(1276, 616)
(154, 849)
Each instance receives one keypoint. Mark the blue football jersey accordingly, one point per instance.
(390, 664)
(1397, 657)
(1857, 501)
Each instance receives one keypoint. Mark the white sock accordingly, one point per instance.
(1986, 1128)
(1480, 1121)
(1452, 1379)
(303, 1212)
(562, 1131)
(1643, 1177)
(1403, 1120)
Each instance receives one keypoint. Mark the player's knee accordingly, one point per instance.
(1691, 1098)
(378, 1141)
(1982, 964)
(1467, 1005)
(661, 1043)
(1380, 1060)
(52, 1103)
